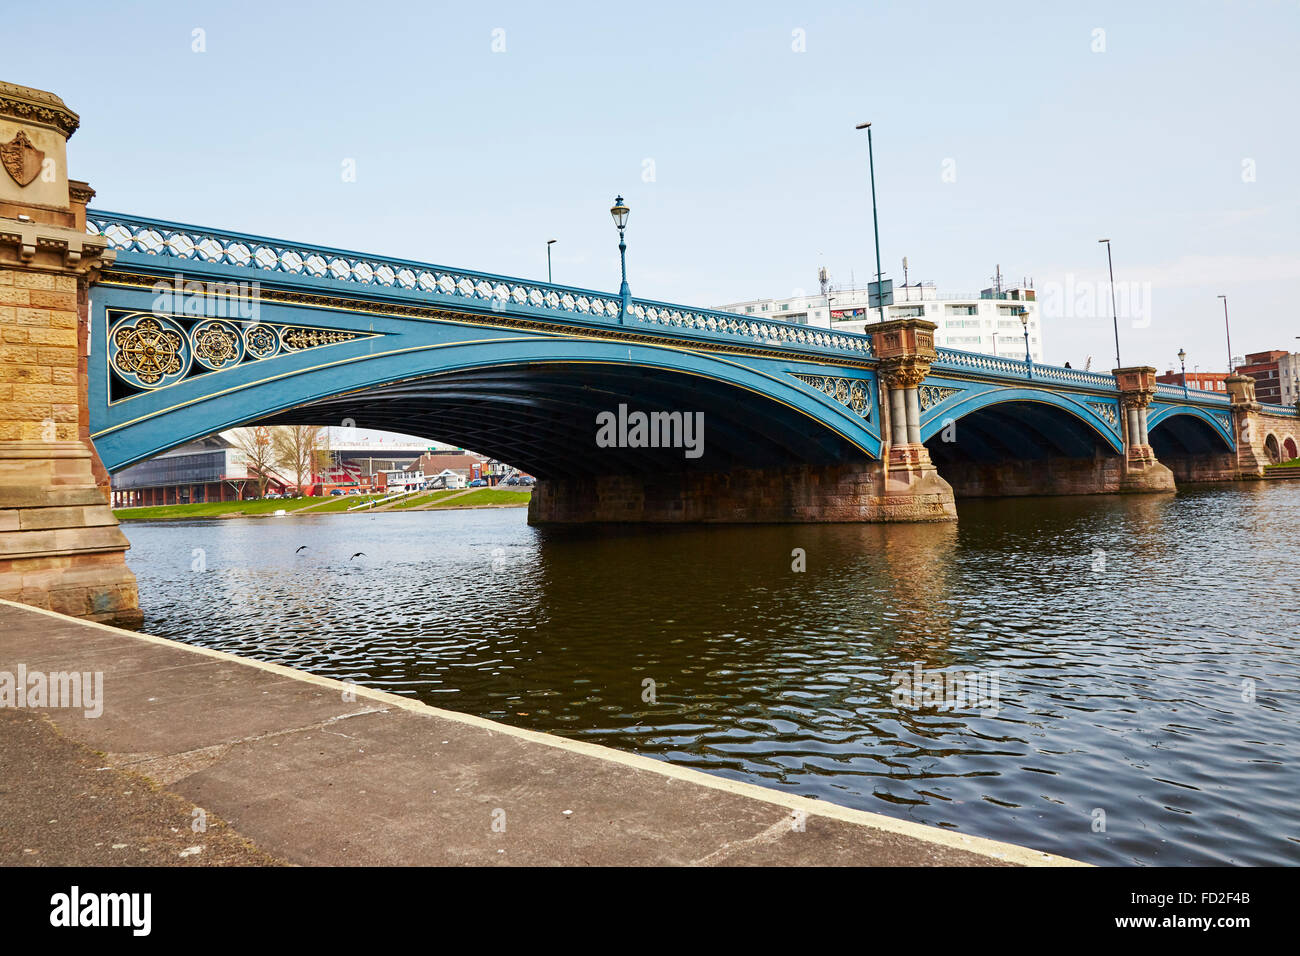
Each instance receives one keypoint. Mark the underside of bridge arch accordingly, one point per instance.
(1025, 448)
(741, 456)
(543, 418)
(1192, 449)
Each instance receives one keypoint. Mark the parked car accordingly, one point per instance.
(477, 483)
(338, 491)
(528, 480)
(512, 480)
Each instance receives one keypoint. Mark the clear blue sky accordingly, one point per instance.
(471, 157)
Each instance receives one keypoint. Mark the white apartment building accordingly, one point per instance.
(1288, 374)
(987, 321)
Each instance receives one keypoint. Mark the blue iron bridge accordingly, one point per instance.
(195, 330)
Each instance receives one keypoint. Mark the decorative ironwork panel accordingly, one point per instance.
(852, 393)
(149, 351)
(1107, 411)
(217, 344)
(931, 395)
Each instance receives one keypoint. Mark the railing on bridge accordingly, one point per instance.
(1199, 394)
(1285, 410)
(1018, 368)
(438, 285)
(156, 237)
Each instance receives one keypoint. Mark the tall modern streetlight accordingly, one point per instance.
(875, 220)
(1182, 360)
(549, 243)
(1024, 322)
(1227, 331)
(619, 211)
(1113, 310)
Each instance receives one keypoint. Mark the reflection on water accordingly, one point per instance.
(1127, 634)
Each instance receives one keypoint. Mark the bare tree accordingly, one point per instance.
(259, 453)
(297, 448)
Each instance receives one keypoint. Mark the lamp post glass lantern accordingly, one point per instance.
(619, 212)
(1182, 361)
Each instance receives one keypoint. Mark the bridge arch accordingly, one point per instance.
(1022, 440)
(1041, 423)
(1177, 431)
(525, 398)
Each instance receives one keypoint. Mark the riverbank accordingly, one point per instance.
(471, 498)
(304, 769)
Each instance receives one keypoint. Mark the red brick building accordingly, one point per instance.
(1263, 368)
(1207, 381)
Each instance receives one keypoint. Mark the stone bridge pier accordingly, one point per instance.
(60, 546)
(1140, 471)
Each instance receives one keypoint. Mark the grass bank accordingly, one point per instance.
(212, 509)
(486, 496)
(483, 497)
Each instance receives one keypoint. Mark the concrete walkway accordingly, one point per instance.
(302, 769)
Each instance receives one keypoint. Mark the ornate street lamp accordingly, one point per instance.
(1024, 322)
(619, 211)
(1182, 360)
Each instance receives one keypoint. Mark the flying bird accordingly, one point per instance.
(359, 554)
(303, 548)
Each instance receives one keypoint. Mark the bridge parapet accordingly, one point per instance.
(1192, 394)
(165, 247)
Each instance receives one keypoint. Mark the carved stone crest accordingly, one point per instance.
(21, 159)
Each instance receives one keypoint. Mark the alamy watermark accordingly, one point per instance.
(1087, 299)
(210, 300)
(946, 690)
(132, 911)
(624, 429)
(59, 689)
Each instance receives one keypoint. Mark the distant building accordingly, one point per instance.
(1265, 368)
(987, 321)
(1288, 376)
(209, 469)
(1206, 381)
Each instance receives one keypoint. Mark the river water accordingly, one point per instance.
(1138, 657)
